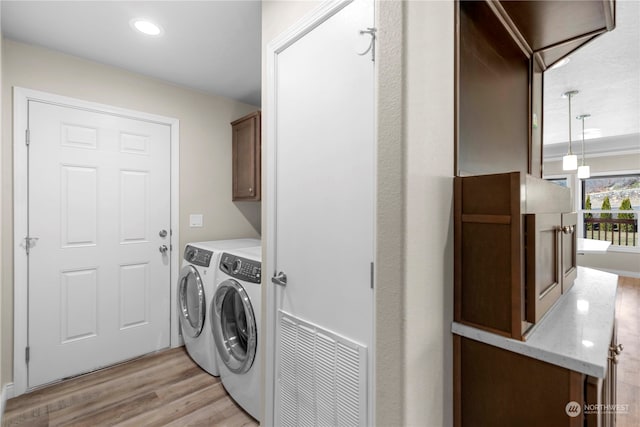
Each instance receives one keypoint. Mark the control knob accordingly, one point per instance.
(236, 266)
(192, 254)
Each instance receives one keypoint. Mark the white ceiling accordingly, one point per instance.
(215, 46)
(212, 46)
(606, 71)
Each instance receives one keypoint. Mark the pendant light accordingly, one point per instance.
(584, 171)
(570, 160)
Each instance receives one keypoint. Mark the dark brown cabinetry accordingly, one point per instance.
(513, 253)
(246, 157)
(497, 387)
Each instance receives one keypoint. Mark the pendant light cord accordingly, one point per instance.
(583, 140)
(569, 96)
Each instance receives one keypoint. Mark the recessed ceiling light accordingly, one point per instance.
(561, 63)
(146, 27)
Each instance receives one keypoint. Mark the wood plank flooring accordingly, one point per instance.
(164, 389)
(628, 318)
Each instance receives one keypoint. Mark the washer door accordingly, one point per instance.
(234, 326)
(192, 301)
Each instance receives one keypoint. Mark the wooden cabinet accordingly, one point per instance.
(497, 387)
(512, 257)
(246, 157)
(543, 263)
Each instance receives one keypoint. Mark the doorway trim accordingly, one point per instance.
(21, 98)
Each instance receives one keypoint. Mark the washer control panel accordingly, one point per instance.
(197, 256)
(240, 268)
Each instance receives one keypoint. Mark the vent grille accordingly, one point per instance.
(322, 378)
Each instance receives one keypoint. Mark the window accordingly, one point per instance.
(610, 208)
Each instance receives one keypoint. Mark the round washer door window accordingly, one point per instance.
(192, 301)
(234, 326)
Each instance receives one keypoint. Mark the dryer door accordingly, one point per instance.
(234, 326)
(192, 301)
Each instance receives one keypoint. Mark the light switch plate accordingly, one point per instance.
(195, 220)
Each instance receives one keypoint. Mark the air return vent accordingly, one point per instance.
(322, 377)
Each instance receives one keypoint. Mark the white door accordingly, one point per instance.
(323, 221)
(99, 200)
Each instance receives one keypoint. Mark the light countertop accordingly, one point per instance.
(591, 246)
(576, 332)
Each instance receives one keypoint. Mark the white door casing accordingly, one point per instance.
(98, 191)
(321, 184)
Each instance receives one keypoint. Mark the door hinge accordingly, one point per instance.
(29, 242)
(27, 137)
(372, 272)
(27, 354)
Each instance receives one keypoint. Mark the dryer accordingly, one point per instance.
(196, 286)
(235, 324)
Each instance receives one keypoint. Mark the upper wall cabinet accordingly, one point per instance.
(246, 157)
(503, 48)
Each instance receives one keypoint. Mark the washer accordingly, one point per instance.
(196, 287)
(235, 324)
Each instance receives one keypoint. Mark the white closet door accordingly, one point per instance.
(324, 221)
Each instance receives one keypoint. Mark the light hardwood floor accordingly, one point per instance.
(164, 389)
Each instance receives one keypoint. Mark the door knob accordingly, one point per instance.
(162, 233)
(163, 249)
(567, 229)
(279, 278)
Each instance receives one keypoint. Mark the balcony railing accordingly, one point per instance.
(619, 231)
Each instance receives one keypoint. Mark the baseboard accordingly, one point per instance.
(6, 393)
(633, 274)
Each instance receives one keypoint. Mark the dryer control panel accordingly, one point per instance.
(197, 256)
(240, 268)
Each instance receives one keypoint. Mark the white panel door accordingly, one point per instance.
(324, 191)
(99, 286)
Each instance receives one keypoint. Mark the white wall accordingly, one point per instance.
(429, 133)
(414, 259)
(618, 261)
(205, 148)
(2, 319)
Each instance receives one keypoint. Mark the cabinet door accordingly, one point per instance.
(569, 246)
(543, 259)
(246, 158)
